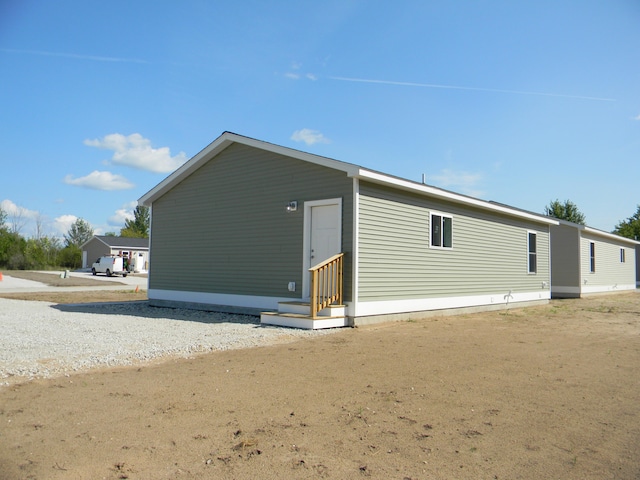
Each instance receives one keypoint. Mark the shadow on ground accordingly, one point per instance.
(143, 309)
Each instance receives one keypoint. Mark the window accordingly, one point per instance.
(622, 257)
(533, 253)
(441, 231)
(592, 257)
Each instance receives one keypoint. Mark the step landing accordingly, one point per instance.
(297, 315)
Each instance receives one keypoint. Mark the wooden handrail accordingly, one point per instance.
(326, 283)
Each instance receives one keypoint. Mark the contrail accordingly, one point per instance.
(74, 55)
(477, 89)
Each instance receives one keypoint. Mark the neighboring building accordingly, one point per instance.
(238, 227)
(638, 265)
(585, 260)
(136, 250)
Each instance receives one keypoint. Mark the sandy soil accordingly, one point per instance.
(541, 393)
(53, 279)
(79, 297)
(62, 295)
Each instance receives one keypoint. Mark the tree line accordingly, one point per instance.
(567, 210)
(43, 252)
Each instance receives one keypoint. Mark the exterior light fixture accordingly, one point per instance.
(292, 206)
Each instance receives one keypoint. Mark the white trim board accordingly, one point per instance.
(355, 249)
(231, 300)
(607, 288)
(385, 307)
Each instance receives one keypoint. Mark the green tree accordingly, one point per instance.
(139, 226)
(18, 253)
(565, 211)
(630, 227)
(3, 219)
(12, 250)
(70, 257)
(79, 233)
(42, 252)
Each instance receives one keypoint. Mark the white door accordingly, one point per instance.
(323, 234)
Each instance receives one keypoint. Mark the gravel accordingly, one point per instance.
(43, 340)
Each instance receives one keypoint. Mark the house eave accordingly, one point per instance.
(423, 189)
(95, 237)
(352, 170)
(115, 245)
(600, 233)
(223, 142)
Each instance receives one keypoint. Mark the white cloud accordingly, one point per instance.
(460, 181)
(309, 136)
(17, 216)
(13, 210)
(295, 73)
(74, 55)
(63, 223)
(459, 87)
(637, 118)
(136, 151)
(123, 214)
(97, 180)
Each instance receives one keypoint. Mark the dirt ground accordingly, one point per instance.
(53, 279)
(65, 296)
(549, 392)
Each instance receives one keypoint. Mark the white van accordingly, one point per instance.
(110, 266)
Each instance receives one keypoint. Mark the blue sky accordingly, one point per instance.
(516, 102)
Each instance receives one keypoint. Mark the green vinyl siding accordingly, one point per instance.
(565, 256)
(489, 252)
(609, 270)
(225, 228)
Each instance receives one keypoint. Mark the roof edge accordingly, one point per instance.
(602, 233)
(224, 141)
(381, 178)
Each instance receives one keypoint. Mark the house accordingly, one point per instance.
(240, 225)
(638, 265)
(135, 249)
(585, 260)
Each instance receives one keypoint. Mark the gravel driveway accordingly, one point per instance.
(41, 339)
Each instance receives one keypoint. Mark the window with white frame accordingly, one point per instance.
(622, 256)
(532, 249)
(441, 230)
(592, 257)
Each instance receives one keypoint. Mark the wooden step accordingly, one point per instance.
(297, 320)
(304, 308)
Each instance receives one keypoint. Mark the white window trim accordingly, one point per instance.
(592, 258)
(529, 272)
(443, 215)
